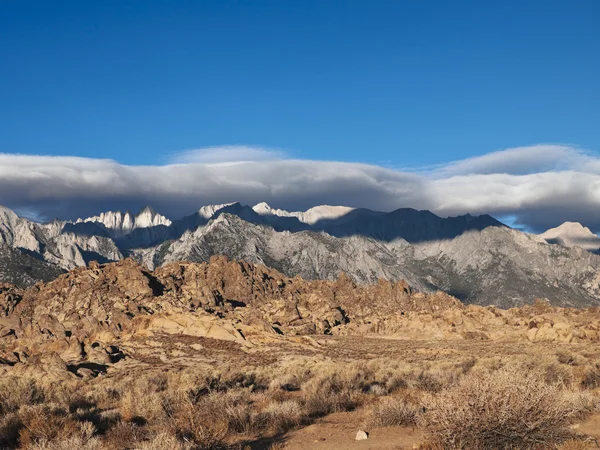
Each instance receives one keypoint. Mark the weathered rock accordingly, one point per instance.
(361, 435)
(95, 315)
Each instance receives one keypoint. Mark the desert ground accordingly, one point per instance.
(230, 355)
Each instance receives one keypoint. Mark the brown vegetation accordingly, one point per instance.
(504, 402)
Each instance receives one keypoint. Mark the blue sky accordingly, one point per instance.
(480, 107)
(392, 83)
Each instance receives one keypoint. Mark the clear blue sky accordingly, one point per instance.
(404, 83)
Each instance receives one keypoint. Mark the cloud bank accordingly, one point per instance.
(539, 186)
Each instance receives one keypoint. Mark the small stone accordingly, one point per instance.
(361, 435)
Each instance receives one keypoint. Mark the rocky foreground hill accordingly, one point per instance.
(91, 319)
(476, 259)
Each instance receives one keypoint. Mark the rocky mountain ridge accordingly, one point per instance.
(119, 224)
(477, 259)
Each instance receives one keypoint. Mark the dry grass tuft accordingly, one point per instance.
(393, 411)
(574, 444)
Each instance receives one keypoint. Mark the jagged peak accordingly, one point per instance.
(147, 209)
(262, 208)
(148, 217)
(124, 222)
(8, 213)
(208, 211)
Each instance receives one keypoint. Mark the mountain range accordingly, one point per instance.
(475, 258)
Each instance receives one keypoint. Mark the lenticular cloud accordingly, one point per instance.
(541, 186)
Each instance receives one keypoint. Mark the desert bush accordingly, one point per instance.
(84, 440)
(393, 411)
(125, 435)
(164, 441)
(507, 409)
(46, 423)
(201, 422)
(590, 377)
(279, 417)
(558, 374)
(329, 393)
(396, 382)
(71, 443)
(570, 358)
(16, 392)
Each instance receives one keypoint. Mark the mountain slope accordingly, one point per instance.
(308, 254)
(508, 268)
(406, 223)
(573, 234)
(477, 259)
(62, 244)
(497, 265)
(23, 270)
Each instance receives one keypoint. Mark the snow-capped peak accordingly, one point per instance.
(147, 217)
(310, 216)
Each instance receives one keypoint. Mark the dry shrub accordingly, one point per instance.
(326, 394)
(279, 417)
(16, 392)
(71, 443)
(507, 409)
(590, 377)
(10, 426)
(396, 382)
(569, 358)
(430, 382)
(223, 381)
(558, 374)
(42, 424)
(142, 401)
(82, 441)
(164, 441)
(393, 411)
(125, 435)
(201, 422)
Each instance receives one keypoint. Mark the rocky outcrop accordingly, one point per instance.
(91, 318)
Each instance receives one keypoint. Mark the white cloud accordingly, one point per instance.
(540, 186)
(226, 154)
(516, 161)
